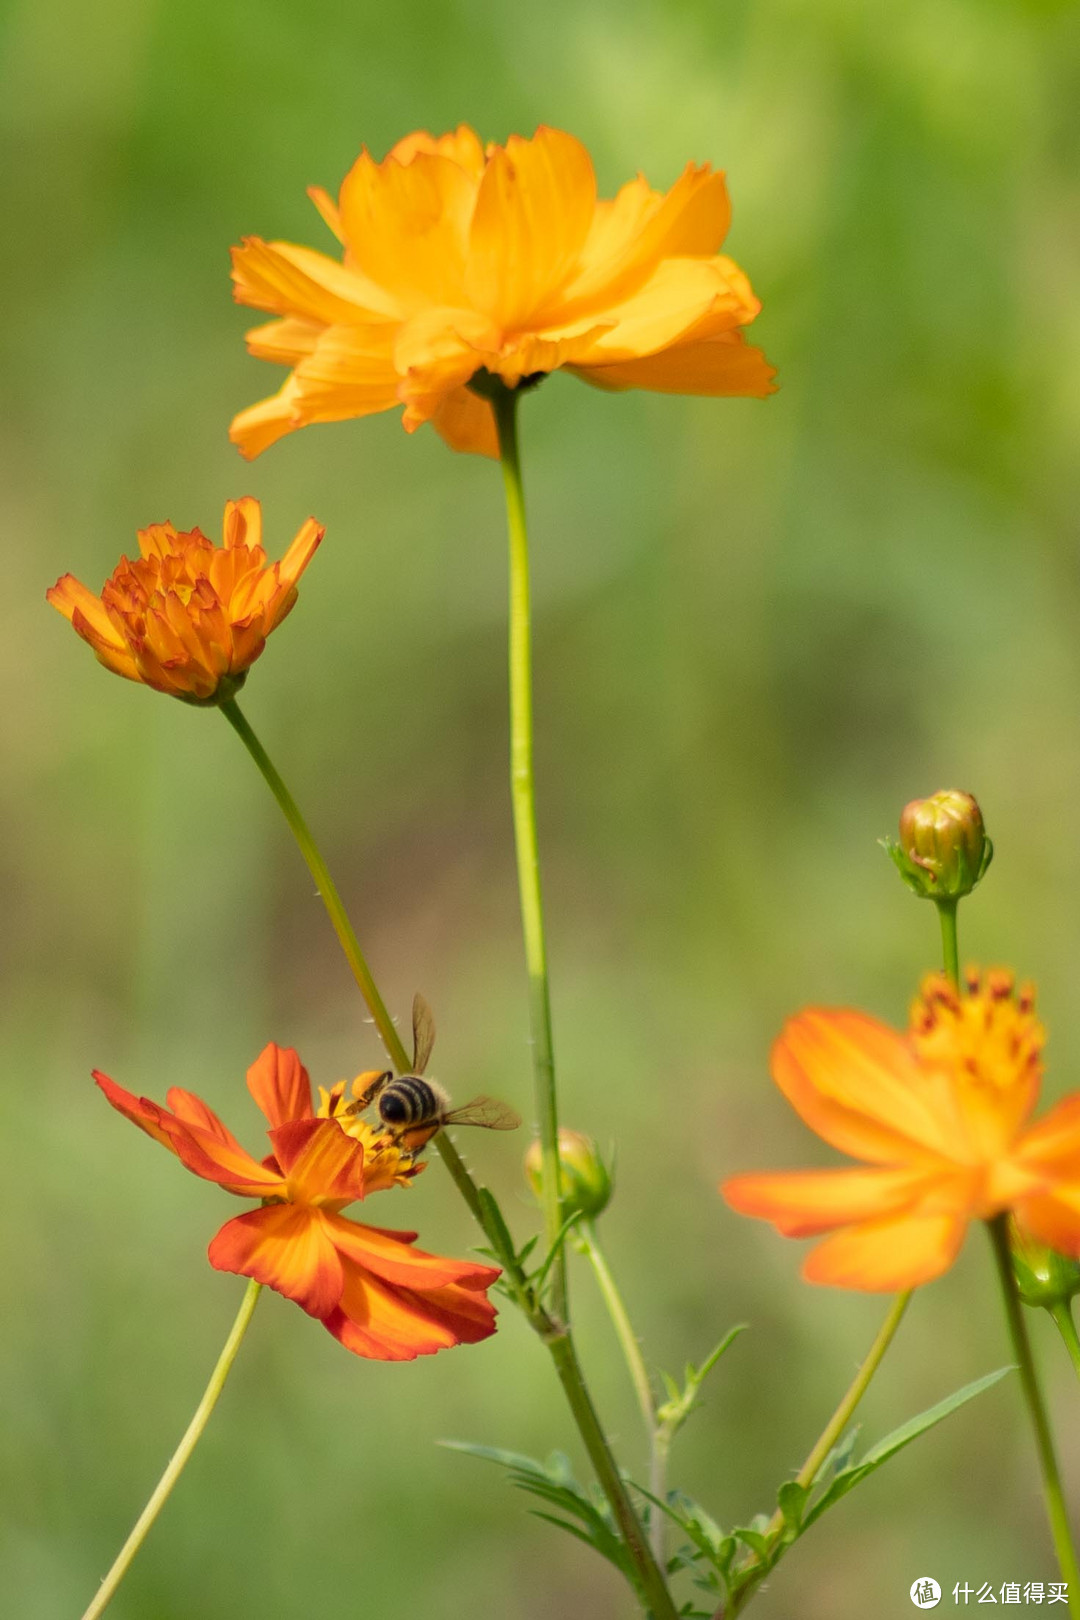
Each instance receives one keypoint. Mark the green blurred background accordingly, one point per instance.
(760, 629)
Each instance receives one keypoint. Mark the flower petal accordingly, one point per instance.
(1054, 1218)
(887, 1256)
(724, 366)
(533, 211)
(279, 1084)
(286, 1247)
(857, 1083)
(148, 1116)
(801, 1203)
(86, 613)
(285, 279)
(639, 227)
(321, 1163)
(391, 1256)
(406, 224)
(385, 1323)
(467, 422)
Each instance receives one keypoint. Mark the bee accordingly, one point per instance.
(413, 1108)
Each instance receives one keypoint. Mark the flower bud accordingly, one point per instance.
(1043, 1276)
(943, 850)
(585, 1182)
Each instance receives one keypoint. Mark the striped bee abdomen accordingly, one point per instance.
(409, 1100)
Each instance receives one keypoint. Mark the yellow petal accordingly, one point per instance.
(289, 280)
(533, 213)
(467, 422)
(462, 146)
(285, 341)
(407, 225)
(726, 365)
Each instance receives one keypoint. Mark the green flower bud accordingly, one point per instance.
(943, 850)
(585, 1182)
(1043, 1276)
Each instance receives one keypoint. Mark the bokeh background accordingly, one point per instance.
(761, 628)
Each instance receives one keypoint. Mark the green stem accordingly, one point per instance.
(1040, 1422)
(659, 1442)
(1063, 1319)
(652, 1586)
(177, 1462)
(523, 799)
(947, 910)
(554, 1334)
(346, 934)
(832, 1432)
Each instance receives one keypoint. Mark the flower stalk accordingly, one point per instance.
(125, 1557)
(1056, 1510)
(554, 1333)
(523, 797)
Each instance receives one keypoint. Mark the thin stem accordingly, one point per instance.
(1063, 1319)
(947, 910)
(653, 1588)
(523, 799)
(1040, 1422)
(659, 1440)
(554, 1334)
(857, 1389)
(833, 1430)
(346, 934)
(177, 1462)
(325, 884)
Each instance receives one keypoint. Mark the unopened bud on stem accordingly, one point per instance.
(1043, 1276)
(585, 1182)
(943, 850)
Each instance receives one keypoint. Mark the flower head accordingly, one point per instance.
(188, 617)
(940, 1115)
(460, 260)
(373, 1290)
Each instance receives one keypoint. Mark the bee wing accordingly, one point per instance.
(423, 1030)
(366, 1088)
(489, 1112)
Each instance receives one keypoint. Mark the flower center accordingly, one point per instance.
(987, 1038)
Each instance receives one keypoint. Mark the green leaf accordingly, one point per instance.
(540, 1278)
(553, 1482)
(847, 1478)
(791, 1499)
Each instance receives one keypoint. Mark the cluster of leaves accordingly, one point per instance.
(727, 1565)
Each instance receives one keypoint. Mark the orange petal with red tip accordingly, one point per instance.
(285, 1246)
(147, 1115)
(857, 1083)
(320, 1162)
(386, 1323)
(191, 1110)
(280, 1085)
(802, 1203)
(390, 1255)
(887, 1256)
(217, 1156)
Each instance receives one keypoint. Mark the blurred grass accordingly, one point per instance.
(761, 628)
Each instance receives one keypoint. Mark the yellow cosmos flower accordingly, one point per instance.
(460, 260)
(188, 617)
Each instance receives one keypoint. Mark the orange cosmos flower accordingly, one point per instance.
(369, 1287)
(188, 617)
(459, 260)
(940, 1115)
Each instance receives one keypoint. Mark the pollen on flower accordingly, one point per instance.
(385, 1163)
(989, 1033)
